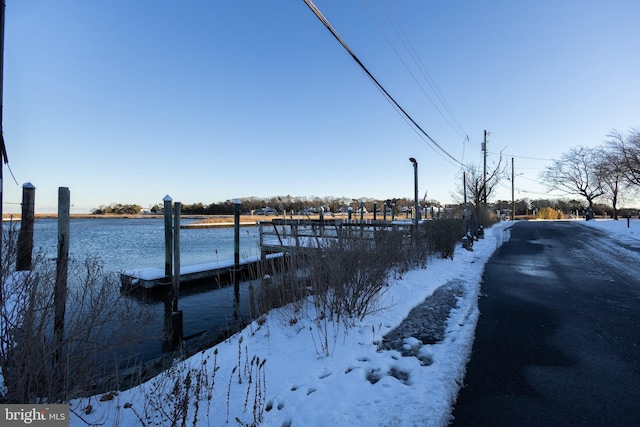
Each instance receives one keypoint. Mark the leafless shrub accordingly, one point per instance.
(176, 397)
(346, 275)
(442, 236)
(97, 330)
(288, 285)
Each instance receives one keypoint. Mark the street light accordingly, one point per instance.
(415, 177)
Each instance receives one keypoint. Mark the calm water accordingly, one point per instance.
(124, 244)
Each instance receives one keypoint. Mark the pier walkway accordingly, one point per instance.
(151, 277)
(278, 237)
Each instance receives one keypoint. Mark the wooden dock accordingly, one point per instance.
(148, 278)
(278, 238)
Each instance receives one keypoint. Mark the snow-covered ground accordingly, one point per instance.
(317, 373)
(293, 369)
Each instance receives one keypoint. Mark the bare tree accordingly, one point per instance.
(610, 169)
(627, 148)
(576, 172)
(475, 188)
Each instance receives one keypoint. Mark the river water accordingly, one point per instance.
(124, 244)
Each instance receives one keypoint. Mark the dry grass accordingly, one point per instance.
(40, 365)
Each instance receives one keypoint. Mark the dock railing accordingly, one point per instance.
(288, 235)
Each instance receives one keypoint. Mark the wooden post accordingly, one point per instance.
(168, 233)
(176, 315)
(263, 254)
(62, 263)
(176, 254)
(375, 208)
(236, 258)
(25, 237)
(295, 233)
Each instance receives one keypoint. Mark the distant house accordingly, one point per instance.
(266, 211)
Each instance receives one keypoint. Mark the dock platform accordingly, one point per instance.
(278, 238)
(148, 278)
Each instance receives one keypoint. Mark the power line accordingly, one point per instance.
(335, 34)
(524, 157)
(425, 72)
(420, 65)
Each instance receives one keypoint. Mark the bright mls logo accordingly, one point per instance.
(34, 415)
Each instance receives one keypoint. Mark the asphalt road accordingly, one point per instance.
(558, 339)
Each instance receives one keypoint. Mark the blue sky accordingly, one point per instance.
(127, 101)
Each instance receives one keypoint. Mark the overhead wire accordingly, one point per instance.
(406, 41)
(413, 54)
(421, 136)
(524, 157)
(434, 145)
(399, 108)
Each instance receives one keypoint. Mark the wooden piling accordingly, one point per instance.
(62, 263)
(176, 254)
(236, 258)
(168, 233)
(263, 255)
(177, 329)
(25, 237)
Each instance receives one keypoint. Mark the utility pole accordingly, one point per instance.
(3, 150)
(513, 186)
(484, 184)
(464, 212)
(415, 197)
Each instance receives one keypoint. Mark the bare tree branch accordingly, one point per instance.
(575, 173)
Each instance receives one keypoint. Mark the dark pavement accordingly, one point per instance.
(558, 339)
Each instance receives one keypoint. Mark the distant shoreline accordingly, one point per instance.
(211, 220)
(204, 221)
(204, 218)
(17, 217)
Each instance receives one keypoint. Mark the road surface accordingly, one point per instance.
(558, 339)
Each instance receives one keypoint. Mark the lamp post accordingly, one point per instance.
(415, 178)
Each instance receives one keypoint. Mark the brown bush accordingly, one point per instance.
(97, 330)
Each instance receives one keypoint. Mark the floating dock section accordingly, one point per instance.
(149, 278)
